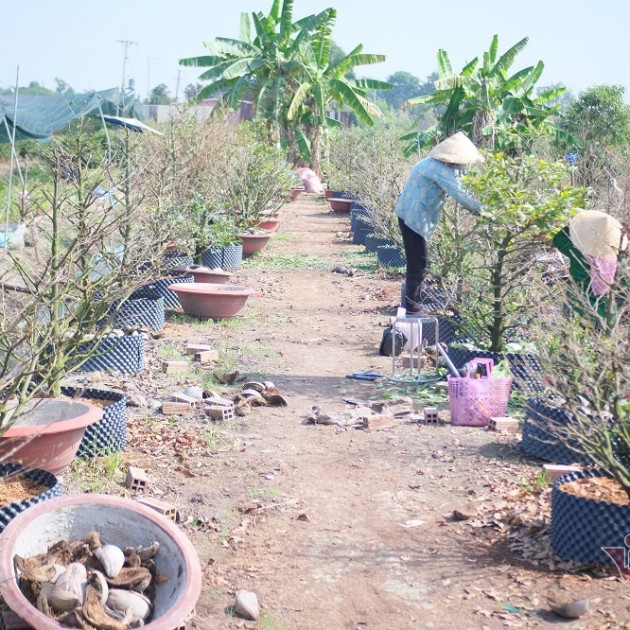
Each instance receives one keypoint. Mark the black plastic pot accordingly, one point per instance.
(526, 368)
(161, 288)
(581, 527)
(539, 441)
(109, 434)
(226, 258)
(389, 256)
(177, 259)
(356, 214)
(141, 312)
(362, 227)
(432, 296)
(11, 510)
(372, 241)
(123, 354)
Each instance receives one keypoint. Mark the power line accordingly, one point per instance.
(126, 43)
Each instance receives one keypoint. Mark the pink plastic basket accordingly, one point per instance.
(473, 401)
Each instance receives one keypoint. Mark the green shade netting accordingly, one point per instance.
(38, 117)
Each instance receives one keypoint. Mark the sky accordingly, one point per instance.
(582, 42)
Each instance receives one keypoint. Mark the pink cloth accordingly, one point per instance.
(304, 173)
(602, 272)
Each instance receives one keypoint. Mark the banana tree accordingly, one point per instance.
(326, 81)
(487, 102)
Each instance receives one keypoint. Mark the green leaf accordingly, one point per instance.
(297, 100)
(444, 64)
(245, 31)
(373, 84)
(303, 144)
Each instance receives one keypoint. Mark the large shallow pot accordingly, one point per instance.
(52, 489)
(271, 224)
(204, 275)
(47, 433)
(340, 205)
(217, 301)
(296, 191)
(120, 522)
(253, 243)
(581, 526)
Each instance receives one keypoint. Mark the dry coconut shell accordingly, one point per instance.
(135, 578)
(94, 611)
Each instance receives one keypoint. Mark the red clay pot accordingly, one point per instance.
(340, 205)
(120, 522)
(253, 243)
(270, 224)
(217, 301)
(328, 193)
(295, 192)
(203, 275)
(47, 433)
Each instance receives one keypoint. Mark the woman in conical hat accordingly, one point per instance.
(592, 242)
(420, 205)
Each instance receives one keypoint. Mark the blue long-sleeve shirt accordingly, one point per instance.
(422, 199)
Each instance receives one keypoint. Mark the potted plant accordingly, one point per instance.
(525, 198)
(586, 361)
(225, 251)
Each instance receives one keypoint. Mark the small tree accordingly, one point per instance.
(586, 361)
(526, 198)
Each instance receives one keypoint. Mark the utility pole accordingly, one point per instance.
(179, 74)
(126, 43)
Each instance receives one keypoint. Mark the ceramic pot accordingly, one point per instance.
(203, 275)
(253, 243)
(217, 301)
(48, 433)
(340, 205)
(296, 192)
(581, 527)
(328, 193)
(271, 224)
(41, 477)
(120, 522)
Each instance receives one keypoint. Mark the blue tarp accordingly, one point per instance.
(38, 117)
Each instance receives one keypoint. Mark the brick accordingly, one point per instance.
(431, 415)
(184, 398)
(219, 409)
(206, 356)
(554, 471)
(163, 507)
(503, 424)
(177, 408)
(174, 367)
(379, 421)
(194, 348)
(136, 478)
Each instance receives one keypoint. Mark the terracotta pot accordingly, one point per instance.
(120, 522)
(47, 433)
(203, 275)
(217, 301)
(340, 205)
(328, 193)
(270, 224)
(253, 243)
(296, 191)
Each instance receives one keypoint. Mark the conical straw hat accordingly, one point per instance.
(596, 233)
(457, 149)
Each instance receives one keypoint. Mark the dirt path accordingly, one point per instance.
(333, 527)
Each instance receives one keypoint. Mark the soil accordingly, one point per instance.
(599, 489)
(13, 490)
(335, 526)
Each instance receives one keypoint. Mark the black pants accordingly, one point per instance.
(416, 253)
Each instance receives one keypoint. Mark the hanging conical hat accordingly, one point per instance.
(596, 233)
(457, 149)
